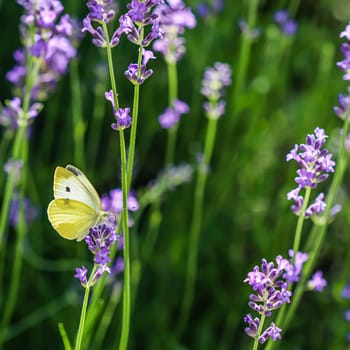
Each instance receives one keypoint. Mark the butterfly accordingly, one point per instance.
(76, 206)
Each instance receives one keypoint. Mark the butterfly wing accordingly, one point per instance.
(70, 218)
(71, 183)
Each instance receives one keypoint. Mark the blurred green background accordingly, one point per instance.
(289, 87)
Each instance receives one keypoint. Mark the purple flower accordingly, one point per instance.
(99, 12)
(99, 241)
(345, 49)
(13, 167)
(174, 17)
(293, 271)
(271, 292)
(123, 119)
(317, 282)
(272, 332)
(12, 114)
(140, 15)
(315, 163)
(253, 325)
(30, 212)
(287, 25)
(138, 76)
(346, 292)
(46, 35)
(343, 107)
(113, 201)
(172, 115)
(81, 275)
(251, 33)
(346, 32)
(215, 79)
(205, 10)
(269, 285)
(122, 115)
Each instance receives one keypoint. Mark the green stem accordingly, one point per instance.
(244, 54)
(172, 132)
(261, 326)
(197, 223)
(111, 66)
(301, 219)
(135, 113)
(83, 311)
(126, 283)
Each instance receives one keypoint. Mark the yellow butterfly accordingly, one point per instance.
(76, 206)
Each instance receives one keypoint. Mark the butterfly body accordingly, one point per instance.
(76, 206)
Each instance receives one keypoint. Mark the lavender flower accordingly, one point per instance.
(48, 37)
(174, 17)
(123, 119)
(137, 76)
(99, 241)
(171, 116)
(13, 115)
(122, 115)
(13, 167)
(317, 282)
(215, 79)
(251, 33)
(30, 212)
(140, 15)
(287, 25)
(113, 201)
(315, 164)
(102, 11)
(346, 292)
(345, 49)
(205, 9)
(271, 292)
(293, 271)
(343, 107)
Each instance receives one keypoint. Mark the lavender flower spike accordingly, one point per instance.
(344, 65)
(317, 282)
(315, 164)
(99, 241)
(215, 80)
(174, 17)
(271, 292)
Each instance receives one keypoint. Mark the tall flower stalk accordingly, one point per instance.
(174, 17)
(133, 24)
(216, 78)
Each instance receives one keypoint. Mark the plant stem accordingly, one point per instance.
(197, 223)
(126, 283)
(135, 113)
(83, 311)
(172, 132)
(244, 55)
